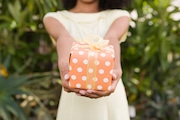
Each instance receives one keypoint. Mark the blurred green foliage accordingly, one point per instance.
(26, 97)
(22, 33)
(32, 68)
(150, 60)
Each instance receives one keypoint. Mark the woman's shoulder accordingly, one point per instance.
(58, 15)
(113, 14)
(117, 12)
(54, 14)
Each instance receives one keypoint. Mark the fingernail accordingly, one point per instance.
(90, 91)
(114, 75)
(82, 92)
(66, 76)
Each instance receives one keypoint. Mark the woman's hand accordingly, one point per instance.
(64, 73)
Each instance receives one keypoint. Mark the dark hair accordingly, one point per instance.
(103, 4)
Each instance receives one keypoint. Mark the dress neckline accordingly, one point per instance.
(83, 17)
(93, 13)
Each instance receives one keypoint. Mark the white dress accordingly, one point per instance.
(73, 107)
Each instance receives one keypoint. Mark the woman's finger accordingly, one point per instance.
(114, 76)
(98, 93)
(66, 76)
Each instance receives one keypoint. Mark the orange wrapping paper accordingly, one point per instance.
(91, 68)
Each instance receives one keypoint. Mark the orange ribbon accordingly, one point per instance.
(91, 69)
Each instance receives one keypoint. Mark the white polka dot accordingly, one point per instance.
(85, 61)
(96, 62)
(95, 79)
(89, 86)
(81, 52)
(84, 78)
(92, 53)
(79, 69)
(90, 70)
(109, 88)
(113, 56)
(107, 63)
(99, 87)
(103, 54)
(78, 85)
(74, 60)
(101, 71)
(73, 77)
(105, 80)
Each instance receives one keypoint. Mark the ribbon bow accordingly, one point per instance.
(95, 41)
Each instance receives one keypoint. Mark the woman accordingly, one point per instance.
(83, 17)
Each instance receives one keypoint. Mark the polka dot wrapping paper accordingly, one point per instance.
(91, 68)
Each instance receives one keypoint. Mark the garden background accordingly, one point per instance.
(29, 79)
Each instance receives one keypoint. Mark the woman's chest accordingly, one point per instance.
(79, 29)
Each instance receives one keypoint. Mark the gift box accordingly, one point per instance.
(91, 64)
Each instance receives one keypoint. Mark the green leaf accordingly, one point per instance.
(27, 63)
(4, 113)
(14, 108)
(15, 10)
(12, 83)
(11, 50)
(165, 48)
(164, 3)
(7, 61)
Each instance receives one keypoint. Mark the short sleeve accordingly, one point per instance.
(117, 14)
(58, 17)
(55, 15)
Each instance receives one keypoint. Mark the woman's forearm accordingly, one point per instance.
(63, 45)
(115, 43)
